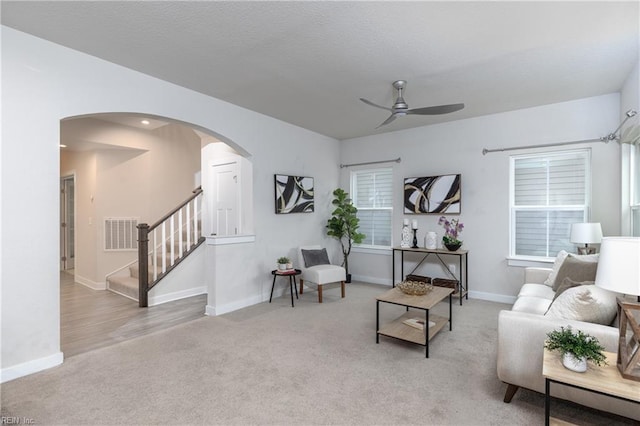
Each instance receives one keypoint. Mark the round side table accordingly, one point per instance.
(292, 273)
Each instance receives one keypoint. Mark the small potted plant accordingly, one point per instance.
(576, 348)
(452, 228)
(284, 263)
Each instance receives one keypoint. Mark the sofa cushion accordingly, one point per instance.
(315, 257)
(536, 290)
(585, 303)
(560, 257)
(578, 268)
(531, 305)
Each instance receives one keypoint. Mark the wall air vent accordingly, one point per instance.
(120, 233)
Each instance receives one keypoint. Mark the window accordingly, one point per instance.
(635, 190)
(548, 192)
(372, 192)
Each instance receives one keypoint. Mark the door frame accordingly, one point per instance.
(65, 264)
(214, 195)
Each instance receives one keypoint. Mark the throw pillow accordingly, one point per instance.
(562, 255)
(578, 268)
(315, 257)
(585, 303)
(568, 283)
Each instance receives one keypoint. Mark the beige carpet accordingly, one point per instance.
(273, 364)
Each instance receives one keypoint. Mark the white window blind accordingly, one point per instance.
(372, 192)
(549, 192)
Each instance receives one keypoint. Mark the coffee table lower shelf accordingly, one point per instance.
(399, 330)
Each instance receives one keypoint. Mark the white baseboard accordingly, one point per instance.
(30, 367)
(492, 297)
(371, 280)
(88, 283)
(177, 295)
(230, 307)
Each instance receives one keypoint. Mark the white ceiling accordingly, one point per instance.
(309, 62)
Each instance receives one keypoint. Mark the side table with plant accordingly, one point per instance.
(576, 348)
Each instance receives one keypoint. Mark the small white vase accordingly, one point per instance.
(431, 240)
(282, 266)
(578, 365)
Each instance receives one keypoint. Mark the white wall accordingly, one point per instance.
(43, 83)
(456, 147)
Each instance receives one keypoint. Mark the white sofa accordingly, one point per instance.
(521, 335)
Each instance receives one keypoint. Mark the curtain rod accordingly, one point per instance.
(613, 136)
(397, 160)
(485, 151)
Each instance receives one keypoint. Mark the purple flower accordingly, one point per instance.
(452, 228)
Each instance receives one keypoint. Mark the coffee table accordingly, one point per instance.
(399, 330)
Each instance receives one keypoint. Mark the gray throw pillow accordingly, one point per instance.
(315, 257)
(576, 269)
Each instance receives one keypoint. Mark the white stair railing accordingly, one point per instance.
(163, 247)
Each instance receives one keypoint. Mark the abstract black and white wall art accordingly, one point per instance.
(432, 194)
(294, 194)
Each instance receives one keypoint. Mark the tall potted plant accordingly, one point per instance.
(343, 225)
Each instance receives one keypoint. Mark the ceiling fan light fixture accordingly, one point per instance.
(401, 108)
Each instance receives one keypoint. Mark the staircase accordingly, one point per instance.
(161, 247)
(126, 283)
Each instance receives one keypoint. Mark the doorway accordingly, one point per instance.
(226, 220)
(67, 223)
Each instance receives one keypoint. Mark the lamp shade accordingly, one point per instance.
(619, 265)
(586, 233)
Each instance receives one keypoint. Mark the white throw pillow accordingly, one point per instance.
(585, 303)
(560, 257)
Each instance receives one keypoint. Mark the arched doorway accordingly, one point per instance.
(127, 166)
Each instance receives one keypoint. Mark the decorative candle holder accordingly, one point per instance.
(415, 239)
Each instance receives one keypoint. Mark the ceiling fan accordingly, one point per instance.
(400, 107)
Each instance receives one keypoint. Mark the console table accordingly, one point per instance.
(463, 282)
(603, 380)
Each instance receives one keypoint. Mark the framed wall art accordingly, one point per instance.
(294, 194)
(433, 194)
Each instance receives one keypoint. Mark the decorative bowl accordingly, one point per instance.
(414, 288)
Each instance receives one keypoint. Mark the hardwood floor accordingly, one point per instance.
(92, 319)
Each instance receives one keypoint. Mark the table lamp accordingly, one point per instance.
(586, 233)
(619, 271)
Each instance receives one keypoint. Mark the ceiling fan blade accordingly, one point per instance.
(436, 110)
(387, 121)
(375, 105)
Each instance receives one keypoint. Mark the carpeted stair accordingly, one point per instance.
(127, 285)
